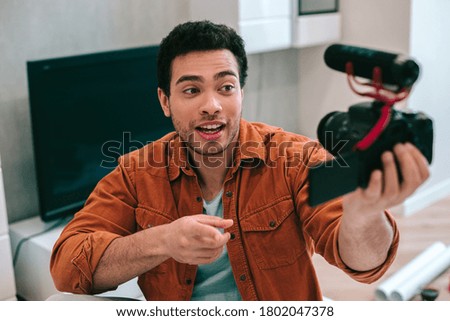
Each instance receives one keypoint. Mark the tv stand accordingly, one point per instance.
(32, 271)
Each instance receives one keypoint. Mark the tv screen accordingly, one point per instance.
(86, 111)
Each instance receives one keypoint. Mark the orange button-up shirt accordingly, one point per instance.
(265, 192)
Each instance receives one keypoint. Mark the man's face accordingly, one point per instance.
(205, 101)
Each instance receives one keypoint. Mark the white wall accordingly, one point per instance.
(270, 95)
(430, 45)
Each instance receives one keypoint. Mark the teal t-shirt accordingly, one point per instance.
(215, 281)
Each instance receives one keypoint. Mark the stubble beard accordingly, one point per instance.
(211, 148)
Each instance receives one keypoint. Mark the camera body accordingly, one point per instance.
(351, 127)
(351, 167)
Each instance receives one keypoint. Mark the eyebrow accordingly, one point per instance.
(225, 73)
(196, 78)
(189, 78)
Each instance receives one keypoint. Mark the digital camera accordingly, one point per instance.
(357, 138)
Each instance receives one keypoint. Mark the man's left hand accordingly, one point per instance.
(385, 190)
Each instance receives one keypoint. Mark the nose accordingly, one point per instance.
(211, 105)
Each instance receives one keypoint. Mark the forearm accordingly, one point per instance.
(128, 257)
(193, 239)
(365, 240)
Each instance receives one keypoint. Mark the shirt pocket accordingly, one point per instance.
(148, 218)
(272, 235)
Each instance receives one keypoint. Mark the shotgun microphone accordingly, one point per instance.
(397, 70)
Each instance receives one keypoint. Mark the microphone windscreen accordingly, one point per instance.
(395, 70)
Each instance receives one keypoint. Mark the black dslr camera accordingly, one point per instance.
(357, 138)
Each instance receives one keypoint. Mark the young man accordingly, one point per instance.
(218, 210)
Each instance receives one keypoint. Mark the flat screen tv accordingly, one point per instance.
(86, 111)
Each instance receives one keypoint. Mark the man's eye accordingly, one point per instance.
(227, 88)
(191, 91)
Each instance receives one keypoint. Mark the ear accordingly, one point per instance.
(164, 101)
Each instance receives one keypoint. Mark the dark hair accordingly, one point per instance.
(198, 36)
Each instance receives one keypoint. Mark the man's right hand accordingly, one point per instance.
(196, 239)
(191, 239)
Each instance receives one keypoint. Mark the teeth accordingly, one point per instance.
(210, 126)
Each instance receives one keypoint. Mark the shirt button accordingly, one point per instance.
(242, 277)
(232, 236)
(272, 224)
(199, 199)
(188, 281)
(229, 193)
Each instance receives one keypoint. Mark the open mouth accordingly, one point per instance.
(210, 131)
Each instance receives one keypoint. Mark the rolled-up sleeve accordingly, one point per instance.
(372, 275)
(109, 213)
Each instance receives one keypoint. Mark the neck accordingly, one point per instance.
(212, 170)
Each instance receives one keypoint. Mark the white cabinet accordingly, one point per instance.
(268, 25)
(34, 281)
(317, 29)
(7, 282)
(265, 25)
(3, 215)
(314, 29)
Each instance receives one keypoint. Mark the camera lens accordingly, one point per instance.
(331, 128)
(324, 126)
